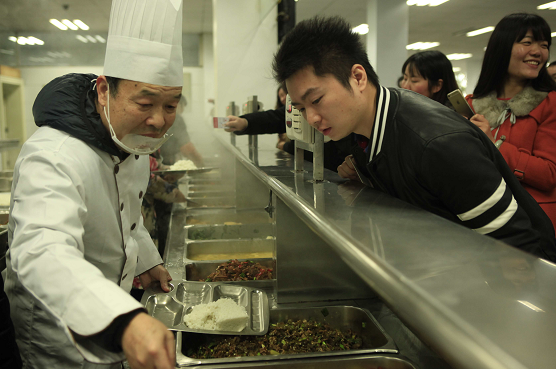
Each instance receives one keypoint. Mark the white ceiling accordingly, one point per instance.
(446, 23)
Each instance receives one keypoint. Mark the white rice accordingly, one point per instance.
(220, 315)
(184, 164)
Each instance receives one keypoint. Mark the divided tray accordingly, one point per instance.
(171, 307)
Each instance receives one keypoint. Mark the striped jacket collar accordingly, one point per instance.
(379, 125)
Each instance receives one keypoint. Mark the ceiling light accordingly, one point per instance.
(458, 56)
(70, 25)
(58, 24)
(22, 40)
(480, 31)
(12, 38)
(34, 40)
(80, 24)
(553, 34)
(425, 2)
(100, 39)
(362, 29)
(92, 39)
(551, 5)
(422, 45)
(456, 69)
(81, 38)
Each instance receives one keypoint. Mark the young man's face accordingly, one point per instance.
(326, 104)
(141, 108)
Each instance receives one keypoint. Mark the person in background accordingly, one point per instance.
(515, 102)
(552, 70)
(409, 146)
(75, 228)
(179, 144)
(430, 73)
(9, 353)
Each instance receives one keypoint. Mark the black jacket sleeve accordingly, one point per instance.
(263, 122)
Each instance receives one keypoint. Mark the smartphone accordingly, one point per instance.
(460, 105)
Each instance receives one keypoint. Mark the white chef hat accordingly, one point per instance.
(144, 42)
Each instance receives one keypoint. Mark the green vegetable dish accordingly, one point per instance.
(291, 337)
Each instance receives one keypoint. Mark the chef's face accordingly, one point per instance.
(139, 108)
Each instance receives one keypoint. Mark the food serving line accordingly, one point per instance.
(337, 251)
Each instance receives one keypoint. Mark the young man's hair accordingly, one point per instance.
(328, 45)
(511, 29)
(433, 66)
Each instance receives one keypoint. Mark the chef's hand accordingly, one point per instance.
(481, 122)
(346, 169)
(235, 124)
(147, 343)
(158, 273)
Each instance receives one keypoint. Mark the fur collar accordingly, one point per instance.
(520, 105)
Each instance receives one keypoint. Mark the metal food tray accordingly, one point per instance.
(359, 321)
(352, 362)
(210, 202)
(195, 271)
(171, 307)
(182, 171)
(232, 249)
(205, 216)
(228, 232)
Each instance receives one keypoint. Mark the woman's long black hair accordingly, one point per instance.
(432, 66)
(511, 29)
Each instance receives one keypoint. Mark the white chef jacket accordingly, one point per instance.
(77, 240)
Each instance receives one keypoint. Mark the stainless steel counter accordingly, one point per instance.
(476, 301)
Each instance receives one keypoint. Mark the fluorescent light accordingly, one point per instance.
(531, 306)
(362, 29)
(92, 39)
(70, 25)
(458, 56)
(80, 24)
(35, 40)
(551, 5)
(22, 40)
(12, 38)
(456, 69)
(480, 31)
(422, 45)
(58, 24)
(425, 2)
(553, 34)
(100, 39)
(81, 38)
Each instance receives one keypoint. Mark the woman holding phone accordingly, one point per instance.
(429, 73)
(515, 102)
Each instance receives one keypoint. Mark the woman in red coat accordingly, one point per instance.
(515, 102)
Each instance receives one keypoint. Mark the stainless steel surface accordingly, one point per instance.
(214, 193)
(226, 216)
(318, 157)
(230, 232)
(377, 361)
(478, 302)
(183, 171)
(210, 202)
(358, 321)
(229, 249)
(172, 307)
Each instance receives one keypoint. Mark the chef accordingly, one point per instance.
(76, 231)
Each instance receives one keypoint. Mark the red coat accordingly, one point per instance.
(530, 150)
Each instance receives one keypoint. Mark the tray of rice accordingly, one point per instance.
(209, 308)
(182, 167)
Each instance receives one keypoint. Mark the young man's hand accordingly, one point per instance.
(346, 170)
(481, 122)
(147, 343)
(235, 124)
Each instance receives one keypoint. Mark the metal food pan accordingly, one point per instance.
(211, 202)
(230, 249)
(351, 362)
(227, 217)
(198, 271)
(204, 194)
(229, 232)
(172, 307)
(358, 320)
(215, 187)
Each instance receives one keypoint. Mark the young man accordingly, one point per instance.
(76, 231)
(414, 148)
